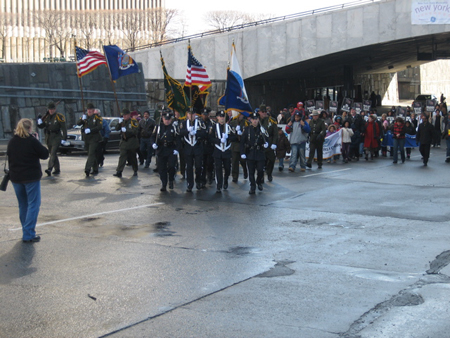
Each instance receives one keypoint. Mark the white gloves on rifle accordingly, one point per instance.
(266, 145)
(175, 152)
(40, 121)
(239, 133)
(120, 120)
(193, 132)
(155, 146)
(243, 156)
(124, 130)
(238, 128)
(273, 146)
(224, 135)
(191, 128)
(87, 131)
(65, 143)
(223, 140)
(84, 117)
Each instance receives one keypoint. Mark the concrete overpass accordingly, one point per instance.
(331, 49)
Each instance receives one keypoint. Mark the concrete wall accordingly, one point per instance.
(25, 90)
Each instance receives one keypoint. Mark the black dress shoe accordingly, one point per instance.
(218, 191)
(87, 173)
(252, 191)
(309, 165)
(245, 176)
(48, 172)
(56, 172)
(94, 172)
(260, 187)
(170, 184)
(163, 188)
(270, 178)
(118, 174)
(35, 239)
(135, 173)
(320, 166)
(225, 185)
(198, 186)
(234, 180)
(189, 189)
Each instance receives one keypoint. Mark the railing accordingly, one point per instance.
(257, 23)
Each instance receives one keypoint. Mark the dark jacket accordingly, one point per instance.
(252, 143)
(425, 133)
(23, 156)
(283, 146)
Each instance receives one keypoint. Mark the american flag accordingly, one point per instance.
(88, 60)
(196, 74)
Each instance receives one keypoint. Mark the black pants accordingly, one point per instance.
(166, 168)
(270, 161)
(257, 166)
(235, 160)
(101, 151)
(191, 161)
(425, 152)
(313, 146)
(207, 167)
(221, 165)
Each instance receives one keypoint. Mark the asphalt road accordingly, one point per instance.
(352, 250)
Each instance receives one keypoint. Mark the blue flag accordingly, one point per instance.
(119, 62)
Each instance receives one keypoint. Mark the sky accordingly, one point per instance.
(194, 10)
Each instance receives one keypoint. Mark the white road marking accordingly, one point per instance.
(92, 215)
(327, 172)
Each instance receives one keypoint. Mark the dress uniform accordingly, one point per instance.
(238, 123)
(221, 136)
(54, 125)
(254, 141)
(129, 142)
(270, 125)
(91, 127)
(317, 137)
(165, 140)
(208, 149)
(193, 133)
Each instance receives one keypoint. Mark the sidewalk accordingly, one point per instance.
(3, 145)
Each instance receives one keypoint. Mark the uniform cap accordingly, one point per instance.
(262, 108)
(51, 105)
(255, 114)
(167, 116)
(125, 111)
(221, 113)
(90, 106)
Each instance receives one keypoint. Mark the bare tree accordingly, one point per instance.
(56, 27)
(160, 20)
(108, 22)
(86, 23)
(6, 24)
(223, 19)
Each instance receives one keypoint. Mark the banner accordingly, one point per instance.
(331, 146)
(388, 140)
(427, 12)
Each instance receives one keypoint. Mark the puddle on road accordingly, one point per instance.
(384, 276)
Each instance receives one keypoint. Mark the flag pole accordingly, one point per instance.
(191, 108)
(112, 82)
(78, 73)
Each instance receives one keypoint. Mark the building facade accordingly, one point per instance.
(42, 30)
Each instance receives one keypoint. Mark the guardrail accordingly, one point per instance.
(257, 23)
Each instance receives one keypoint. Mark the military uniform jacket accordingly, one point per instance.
(252, 143)
(235, 145)
(270, 125)
(54, 126)
(167, 139)
(318, 130)
(129, 138)
(95, 124)
(193, 144)
(222, 150)
(146, 128)
(208, 146)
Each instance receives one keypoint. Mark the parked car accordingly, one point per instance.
(75, 142)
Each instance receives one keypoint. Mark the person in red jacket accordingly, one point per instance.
(371, 137)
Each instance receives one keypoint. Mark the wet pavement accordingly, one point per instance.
(352, 250)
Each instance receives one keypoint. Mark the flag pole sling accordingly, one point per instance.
(112, 82)
(78, 73)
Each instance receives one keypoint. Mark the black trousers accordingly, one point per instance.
(425, 151)
(191, 161)
(235, 160)
(166, 168)
(223, 169)
(270, 161)
(313, 146)
(257, 166)
(207, 167)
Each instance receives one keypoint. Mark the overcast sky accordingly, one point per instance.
(194, 10)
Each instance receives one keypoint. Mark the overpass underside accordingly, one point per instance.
(341, 70)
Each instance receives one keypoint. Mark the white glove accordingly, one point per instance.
(39, 121)
(243, 156)
(64, 143)
(124, 129)
(191, 128)
(155, 146)
(175, 152)
(273, 146)
(193, 132)
(239, 133)
(84, 117)
(266, 145)
(87, 131)
(238, 128)
(224, 135)
(120, 120)
(223, 140)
